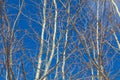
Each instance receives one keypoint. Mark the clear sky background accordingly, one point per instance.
(83, 19)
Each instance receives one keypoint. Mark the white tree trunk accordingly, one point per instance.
(56, 74)
(116, 7)
(116, 38)
(117, 10)
(41, 43)
(64, 53)
(65, 44)
(54, 36)
(97, 37)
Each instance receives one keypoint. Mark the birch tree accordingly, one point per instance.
(41, 47)
(8, 39)
(59, 40)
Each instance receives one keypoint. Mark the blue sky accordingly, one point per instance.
(28, 32)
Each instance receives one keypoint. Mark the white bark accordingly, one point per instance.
(65, 44)
(116, 38)
(56, 74)
(64, 53)
(92, 71)
(97, 35)
(94, 57)
(41, 43)
(118, 12)
(97, 30)
(116, 7)
(17, 17)
(53, 44)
